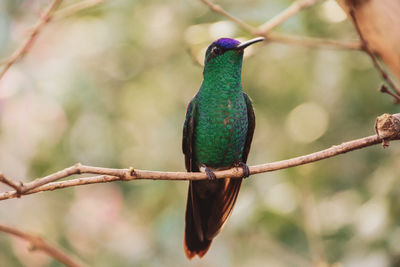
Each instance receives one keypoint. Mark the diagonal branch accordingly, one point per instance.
(266, 28)
(293, 9)
(218, 9)
(387, 128)
(37, 243)
(10, 183)
(312, 42)
(24, 48)
(385, 90)
(367, 49)
(287, 39)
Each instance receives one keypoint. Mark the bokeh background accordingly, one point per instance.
(108, 86)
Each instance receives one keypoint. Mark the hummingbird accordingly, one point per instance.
(217, 135)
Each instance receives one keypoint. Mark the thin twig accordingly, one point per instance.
(64, 184)
(383, 89)
(37, 243)
(24, 48)
(312, 42)
(285, 38)
(10, 183)
(371, 54)
(293, 9)
(75, 8)
(387, 128)
(76, 169)
(218, 9)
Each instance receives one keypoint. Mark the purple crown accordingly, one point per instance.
(227, 43)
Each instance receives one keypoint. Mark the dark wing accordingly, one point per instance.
(197, 206)
(187, 138)
(250, 129)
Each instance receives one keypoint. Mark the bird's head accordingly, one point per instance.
(226, 53)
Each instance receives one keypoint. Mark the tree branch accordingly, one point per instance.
(10, 183)
(37, 243)
(387, 128)
(312, 42)
(367, 49)
(265, 29)
(293, 9)
(285, 38)
(24, 48)
(218, 9)
(385, 90)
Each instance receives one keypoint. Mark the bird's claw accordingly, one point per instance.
(246, 170)
(211, 175)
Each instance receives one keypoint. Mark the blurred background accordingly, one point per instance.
(108, 86)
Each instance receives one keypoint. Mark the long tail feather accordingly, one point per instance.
(208, 207)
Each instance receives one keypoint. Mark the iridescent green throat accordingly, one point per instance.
(221, 116)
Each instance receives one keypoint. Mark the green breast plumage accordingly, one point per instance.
(221, 125)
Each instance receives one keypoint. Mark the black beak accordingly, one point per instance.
(249, 42)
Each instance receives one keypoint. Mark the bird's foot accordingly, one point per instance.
(246, 170)
(211, 175)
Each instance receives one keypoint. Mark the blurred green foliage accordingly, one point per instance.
(108, 86)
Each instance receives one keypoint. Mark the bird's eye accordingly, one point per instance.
(216, 50)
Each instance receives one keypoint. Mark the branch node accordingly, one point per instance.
(78, 167)
(216, 8)
(17, 186)
(387, 128)
(383, 89)
(132, 171)
(34, 243)
(20, 189)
